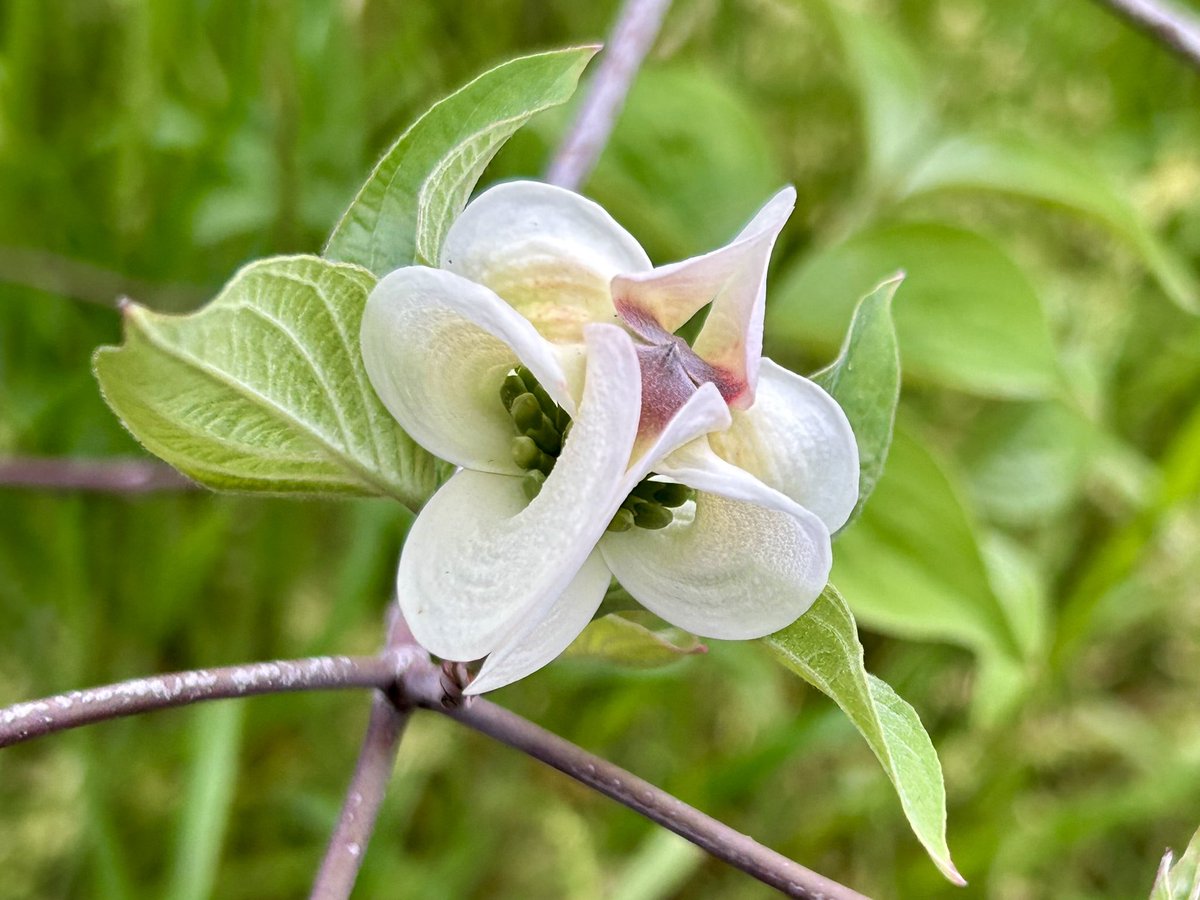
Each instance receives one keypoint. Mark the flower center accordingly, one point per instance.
(542, 429)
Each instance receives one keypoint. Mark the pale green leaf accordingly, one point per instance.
(264, 389)
(1049, 173)
(822, 647)
(891, 87)
(207, 801)
(1026, 462)
(623, 639)
(968, 318)
(1179, 880)
(913, 564)
(421, 184)
(1003, 681)
(865, 381)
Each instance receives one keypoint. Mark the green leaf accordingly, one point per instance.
(1180, 881)
(913, 562)
(206, 804)
(1003, 681)
(969, 318)
(893, 92)
(1025, 462)
(264, 389)
(402, 212)
(1056, 175)
(822, 647)
(623, 639)
(865, 381)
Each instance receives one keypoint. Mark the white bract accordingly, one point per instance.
(538, 276)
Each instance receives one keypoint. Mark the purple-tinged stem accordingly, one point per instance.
(108, 476)
(632, 37)
(26, 721)
(1176, 29)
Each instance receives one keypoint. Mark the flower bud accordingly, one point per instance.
(652, 516)
(532, 483)
(622, 521)
(526, 412)
(512, 388)
(528, 455)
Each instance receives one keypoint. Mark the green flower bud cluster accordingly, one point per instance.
(650, 505)
(542, 428)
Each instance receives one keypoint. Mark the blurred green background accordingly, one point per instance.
(1025, 575)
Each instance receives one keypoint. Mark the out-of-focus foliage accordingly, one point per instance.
(1025, 570)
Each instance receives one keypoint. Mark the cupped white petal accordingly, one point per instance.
(548, 251)
(479, 561)
(735, 570)
(797, 439)
(733, 278)
(541, 640)
(436, 348)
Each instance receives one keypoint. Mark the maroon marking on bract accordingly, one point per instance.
(666, 386)
(641, 322)
(671, 370)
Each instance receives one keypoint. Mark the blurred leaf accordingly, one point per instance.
(1180, 881)
(1026, 462)
(688, 163)
(865, 381)
(1053, 174)
(968, 318)
(1117, 558)
(1002, 681)
(658, 869)
(822, 648)
(893, 93)
(264, 389)
(402, 212)
(913, 562)
(206, 803)
(621, 639)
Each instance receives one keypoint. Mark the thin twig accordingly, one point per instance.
(631, 39)
(408, 675)
(106, 476)
(1176, 29)
(71, 278)
(711, 835)
(368, 786)
(26, 721)
(343, 858)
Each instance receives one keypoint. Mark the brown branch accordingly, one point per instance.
(711, 835)
(54, 274)
(631, 39)
(107, 476)
(408, 674)
(368, 786)
(1176, 29)
(348, 844)
(26, 721)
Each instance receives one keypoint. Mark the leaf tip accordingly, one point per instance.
(952, 874)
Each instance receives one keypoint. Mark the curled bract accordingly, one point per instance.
(537, 279)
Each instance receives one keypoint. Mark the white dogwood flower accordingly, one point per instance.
(541, 359)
